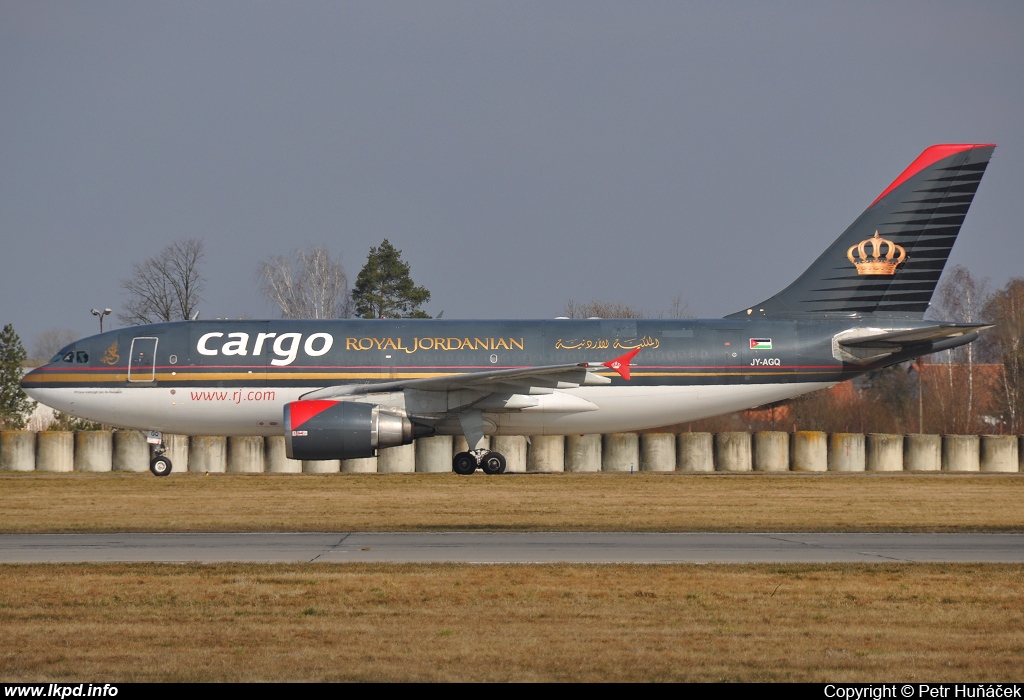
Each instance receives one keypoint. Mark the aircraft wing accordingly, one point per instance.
(917, 336)
(568, 376)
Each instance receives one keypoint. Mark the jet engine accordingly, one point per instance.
(323, 429)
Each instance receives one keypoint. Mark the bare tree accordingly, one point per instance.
(1005, 308)
(166, 287)
(679, 308)
(601, 309)
(49, 342)
(309, 284)
(961, 298)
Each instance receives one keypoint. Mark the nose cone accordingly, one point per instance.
(31, 381)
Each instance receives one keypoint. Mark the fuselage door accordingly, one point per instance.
(142, 361)
(730, 354)
(729, 350)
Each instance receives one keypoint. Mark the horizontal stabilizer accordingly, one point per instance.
(862, 346)
(917, 336)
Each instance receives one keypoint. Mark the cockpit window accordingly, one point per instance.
(81, 356)
(69, 357)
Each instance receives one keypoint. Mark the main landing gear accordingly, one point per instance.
(466, 463)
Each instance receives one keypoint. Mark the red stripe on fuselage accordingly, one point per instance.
(931, 155)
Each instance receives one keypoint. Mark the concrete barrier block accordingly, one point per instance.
(434, 454)
(397, 460)
(961, 453)
(999, 453)
(131, 451)
(94, 451)
(732, 452)
(884, 453)
(321, 466)
(583, 453)
(620, 452)
(513, 448)
(922, 453)
(695, 452)
(809, 451)
(207, 454)
(657, 452)
(17, 451)
(246, 454)
(363, 465)
(275, 456)
(846, 452)
(55, 451)
(546, 453)
(771, 451)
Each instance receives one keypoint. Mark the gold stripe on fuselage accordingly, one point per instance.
(194, 377)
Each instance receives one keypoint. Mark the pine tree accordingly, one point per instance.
(15, 406)
(384, 288)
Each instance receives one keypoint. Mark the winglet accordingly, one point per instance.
(621, 364)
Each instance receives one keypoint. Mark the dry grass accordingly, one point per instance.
(511, 623)
(574, 502)
(862, 623)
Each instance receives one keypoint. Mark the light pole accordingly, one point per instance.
(101, 314)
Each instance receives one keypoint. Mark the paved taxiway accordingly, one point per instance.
(514, 547)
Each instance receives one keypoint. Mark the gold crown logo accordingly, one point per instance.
(876, 263)
(110, 357)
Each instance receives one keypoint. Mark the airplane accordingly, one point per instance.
(342, 389)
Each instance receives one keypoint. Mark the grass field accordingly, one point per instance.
(108, 623)
(240, 622)
(598, 502)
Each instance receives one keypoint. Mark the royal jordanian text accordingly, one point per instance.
(286, 346)
(417, 344)
(923, 690)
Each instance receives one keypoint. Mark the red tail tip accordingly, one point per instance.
(930, 156)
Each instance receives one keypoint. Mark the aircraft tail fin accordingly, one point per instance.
(888, 262)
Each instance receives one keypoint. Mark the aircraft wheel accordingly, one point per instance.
(464, 463)
(160, 466)
(493, 463)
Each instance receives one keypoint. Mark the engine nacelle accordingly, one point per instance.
(324, 429)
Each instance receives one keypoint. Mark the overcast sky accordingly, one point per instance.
(519, 154)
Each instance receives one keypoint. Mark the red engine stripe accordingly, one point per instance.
(302, 411)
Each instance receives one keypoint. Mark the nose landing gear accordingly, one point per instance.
(160, 466)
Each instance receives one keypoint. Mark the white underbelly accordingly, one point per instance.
(186, 411)
(623, 409)
(259, 411)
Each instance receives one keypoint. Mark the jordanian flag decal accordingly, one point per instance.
(760, 343)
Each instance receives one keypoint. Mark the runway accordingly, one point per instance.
(514, 547)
